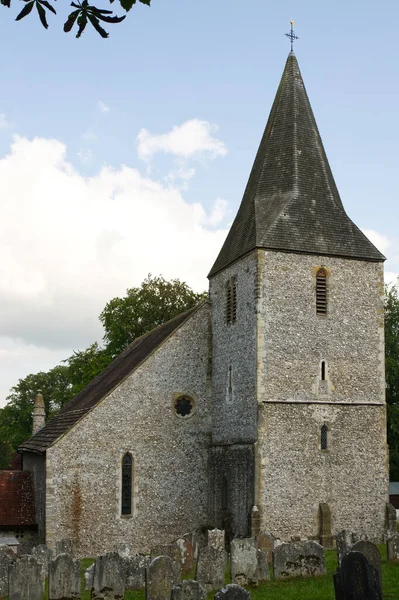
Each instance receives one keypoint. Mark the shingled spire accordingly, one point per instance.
(291, 202)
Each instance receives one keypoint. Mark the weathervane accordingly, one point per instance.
(292, 35)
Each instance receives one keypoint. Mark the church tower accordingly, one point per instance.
(298, 393)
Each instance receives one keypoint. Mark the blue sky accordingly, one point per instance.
(197, 79)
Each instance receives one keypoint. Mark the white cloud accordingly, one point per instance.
(184, 141)
(219, 212)
(3, 121)
(391, 277)
(88, 136)
(380, 241)
(102, 107)
(85, 155)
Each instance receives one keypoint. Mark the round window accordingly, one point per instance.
(184, 406)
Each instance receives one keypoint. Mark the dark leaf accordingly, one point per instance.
(82, 22)
(76, 5)
(42, 15)
(94, 21)
(111, 19)
(99, 11)
(147, 2)
(127, 4)
(47, 5)
(25, 11)
(8, 2)
(70, 22)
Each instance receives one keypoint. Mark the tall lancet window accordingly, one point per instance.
(127, 484)
(321, 292)
(324, 437)
(231, 300)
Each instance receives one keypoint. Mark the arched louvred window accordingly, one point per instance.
(324, 437)
(127, 484)
(231, 300)
(321, 292)
(228, 300)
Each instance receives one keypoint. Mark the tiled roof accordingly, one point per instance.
(17, 499)
(105, 382)
(291, 202)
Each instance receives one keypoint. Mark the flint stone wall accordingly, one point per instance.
(170, 454)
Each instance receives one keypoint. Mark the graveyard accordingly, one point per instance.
(199, 567)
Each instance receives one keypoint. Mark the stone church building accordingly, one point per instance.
(270, 394)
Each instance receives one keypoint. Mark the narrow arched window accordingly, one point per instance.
(231, 300)
(127, 484)
(323, 370)
(324, 437)
(321, 292)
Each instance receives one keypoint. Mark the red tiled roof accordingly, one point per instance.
(17, 498)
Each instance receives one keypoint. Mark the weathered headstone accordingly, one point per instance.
(298, 560)
(372, 554)
(211, 566)
(186, 554)
(390, 520)
(161, 576)
(393, 548)
(63, 546)
(135, 571)
(7, 557)
(326, 538)
(263, 566)
(43, 555)
(266, 542)
(64, 578)
(173, 552)
(88, 577)
(357, 579)
(244, 561)
(233, 591)
(26, 581)
(345, 540)
(109, 577)
(123, 549)
(216, 539)
(188, 590)
(255, 522)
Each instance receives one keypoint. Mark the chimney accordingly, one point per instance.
(39, 415)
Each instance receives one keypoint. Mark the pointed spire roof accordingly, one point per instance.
(291, 202)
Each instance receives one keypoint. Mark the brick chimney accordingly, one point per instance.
(39, 415)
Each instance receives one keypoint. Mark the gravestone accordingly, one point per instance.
(357, 579)
(43, 555)
(326, 538)
(7, 557)
(186, 551)
(173, 552)
(345, 540)
(161, 576)
(123, 549)
(25, 579)
(298, 560)
(390, 520)
(372, 554)
(135, 571)
(244, 561)
(88, 577)
(109, 577)
(255, 522)
(216, 539)
(188, 590)
(233, 591)
(263, 566)
(392, 548)
(63, 546)
(211, 566)
(64, 578)
(266, 542)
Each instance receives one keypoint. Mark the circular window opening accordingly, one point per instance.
(184, 406)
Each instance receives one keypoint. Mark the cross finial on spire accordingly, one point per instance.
(292, 35)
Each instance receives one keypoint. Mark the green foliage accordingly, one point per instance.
(392, 377)
(84, 365)
(143, 308)
(81, 16)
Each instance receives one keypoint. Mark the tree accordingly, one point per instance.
(392, 377)
(85, 365)
(83, 14)
(144, 308)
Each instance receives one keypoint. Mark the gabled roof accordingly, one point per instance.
(17, 499)
(291, 202)
(131, 358)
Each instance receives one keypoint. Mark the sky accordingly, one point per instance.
(130, 155)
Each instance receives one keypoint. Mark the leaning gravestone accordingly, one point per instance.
(392, 548)
(64, 578)
(135, 571)
(188, 590)
(298, 560)
(109, 577)
(26, 581)
(161, 576)
(233, 591)
(173, 552)
(211, 566)
(390, 520)
(266, 542)
(43, 555)
(244, 561)
(344, 541)
(88, 577)
(372, 554)
(263, 566)
(357, 579)
(63, 547)
(7, 557)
